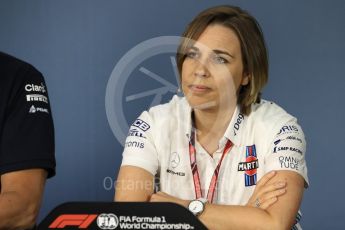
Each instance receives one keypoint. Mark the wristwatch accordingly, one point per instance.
(197, 206)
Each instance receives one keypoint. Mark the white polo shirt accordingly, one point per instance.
(268, 139)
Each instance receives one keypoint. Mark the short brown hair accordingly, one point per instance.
(253, 48)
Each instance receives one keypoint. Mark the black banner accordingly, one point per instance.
(120, 215)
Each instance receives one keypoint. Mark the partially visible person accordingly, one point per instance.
(27, 156)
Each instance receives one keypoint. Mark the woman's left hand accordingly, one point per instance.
(265, 193)
(164, 197)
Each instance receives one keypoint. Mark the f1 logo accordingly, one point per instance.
(80, 220)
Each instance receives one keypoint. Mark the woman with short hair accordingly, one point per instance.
(234, 160)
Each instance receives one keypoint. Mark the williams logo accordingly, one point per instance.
(250, 166)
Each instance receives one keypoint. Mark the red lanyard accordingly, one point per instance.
(194, 167)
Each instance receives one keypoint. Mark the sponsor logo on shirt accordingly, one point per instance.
(174, 163)
(289, 162)
(294, 138)
(288, 129)
(34, 109)
(277, 141)
(35, 88)
(175, 173)
(250, 166)
(174, 160)
(135, 133)
(36, 97)
(238, 122)
(289, 138)
(134, 144)
(278, 149)
(141, 125)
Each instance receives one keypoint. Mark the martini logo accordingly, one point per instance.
(250, 166)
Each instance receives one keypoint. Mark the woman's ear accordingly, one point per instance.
(245, 79)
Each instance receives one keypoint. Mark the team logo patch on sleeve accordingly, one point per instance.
(136, 133)
(249, 166)
(288, 129)
(138, 128)
(36, 93)
(141, 125)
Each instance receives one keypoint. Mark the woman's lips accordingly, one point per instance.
(199, 88)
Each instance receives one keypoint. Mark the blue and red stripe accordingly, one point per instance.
(250, 180)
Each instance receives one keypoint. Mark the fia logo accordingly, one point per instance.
(107, 221)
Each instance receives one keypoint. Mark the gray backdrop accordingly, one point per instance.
(77, 44)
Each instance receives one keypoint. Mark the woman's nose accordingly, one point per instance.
(201, 69)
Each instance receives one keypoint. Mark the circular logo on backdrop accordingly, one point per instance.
(131, 65)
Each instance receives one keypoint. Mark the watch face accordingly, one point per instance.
(196, 206)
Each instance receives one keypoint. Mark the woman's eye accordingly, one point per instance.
(220, 60)
(192, 54)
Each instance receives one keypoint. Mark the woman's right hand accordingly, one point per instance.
(265, 193)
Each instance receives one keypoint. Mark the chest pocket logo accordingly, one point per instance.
(174, 160)
(250, 166)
